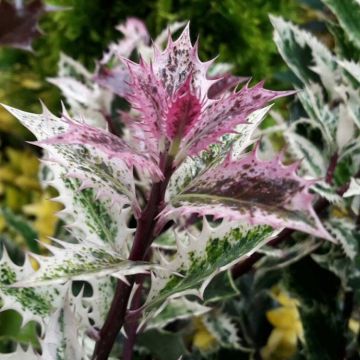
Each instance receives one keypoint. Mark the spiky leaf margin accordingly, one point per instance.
(260, 192)
(201, 256)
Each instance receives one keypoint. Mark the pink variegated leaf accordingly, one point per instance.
(223, 115)
(135, 34)
(115, 148)
(225, 83)
(178, 61)
(183, 111)
(115, 80)
(260, 192)
(91, 168)
(149, 98)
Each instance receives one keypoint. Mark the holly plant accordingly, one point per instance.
(158, 198)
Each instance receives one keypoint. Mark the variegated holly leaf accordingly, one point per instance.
(89, 219)
(237, 143)
(171, 95)
(313, 161)
(103, 169)
(259, 192)
(61, 336)
(327, 191)
(223, 329)
(347, 12)
(80, 262)
(352, 71)
(344, 232)
(325, 119)
(32, 304)
(200, 256)
(354, 188)
(84, 96)
(177, 309)
(306, 56)
(19, 22)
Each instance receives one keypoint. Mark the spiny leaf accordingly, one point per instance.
(223, 329)
(80, 262)
(88, 218)
(220, 117)
(114, 147)
(177, 309)
(176, 81)
(343, 231)
(260, 192)
(110, 179)
(237, 143)
(200, 256)
(85, 97)
(327, 192)
(32, 304)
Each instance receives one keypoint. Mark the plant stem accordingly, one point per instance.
(143, 238)
(132, 324)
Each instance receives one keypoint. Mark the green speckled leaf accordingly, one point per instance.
(200, 257)
(32, 304)
(89, 218)
(80, 262)
(177, 309)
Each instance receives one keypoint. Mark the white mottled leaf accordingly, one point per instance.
(343, 231)
(200, 256)
(80, 262)
(177, 309)
(313, 161)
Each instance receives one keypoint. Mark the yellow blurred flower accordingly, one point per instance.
(354, 326)
(18, 178)
(203, 339)
(44, 212)
(285, 319)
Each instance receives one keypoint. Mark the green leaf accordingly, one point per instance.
(20, 225)
(163, 345)
(348, 13)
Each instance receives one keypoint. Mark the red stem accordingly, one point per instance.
(143, 238)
